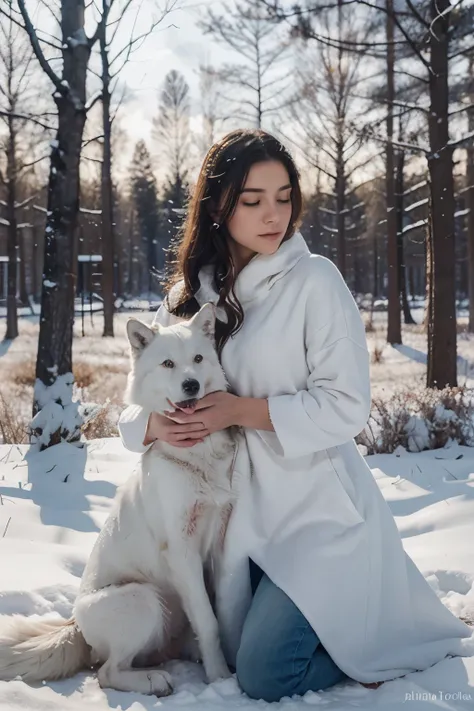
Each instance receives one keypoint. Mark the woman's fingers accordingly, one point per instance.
(191, 428)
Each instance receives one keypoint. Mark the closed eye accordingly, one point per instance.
(253, 204)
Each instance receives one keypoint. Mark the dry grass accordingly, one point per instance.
(377, 353)
(85, 374)
(103, 384)
(420, 419)
(103, 424)
(13, 424)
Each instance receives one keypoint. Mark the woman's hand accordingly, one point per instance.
(179, 435)
(213, 412)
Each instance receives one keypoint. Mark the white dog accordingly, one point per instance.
(144, 585)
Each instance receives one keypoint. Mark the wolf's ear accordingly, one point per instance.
(205, 319)
(139, 335)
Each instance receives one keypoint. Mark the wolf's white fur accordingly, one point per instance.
(145, 589)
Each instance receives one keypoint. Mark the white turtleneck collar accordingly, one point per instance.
(257, 277)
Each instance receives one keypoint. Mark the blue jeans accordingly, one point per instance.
(280, 654)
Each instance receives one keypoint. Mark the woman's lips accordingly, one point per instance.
(272, 235)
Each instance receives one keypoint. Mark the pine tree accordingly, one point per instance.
(171, 132)
(143, 189)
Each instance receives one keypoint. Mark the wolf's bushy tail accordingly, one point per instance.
(38, 650)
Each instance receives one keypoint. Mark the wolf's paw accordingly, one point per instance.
(161, 683)
(218, 670)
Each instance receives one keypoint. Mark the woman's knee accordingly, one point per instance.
(257, 678)
(264, 672)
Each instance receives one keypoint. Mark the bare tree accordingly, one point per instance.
(114, 14)
(325, 116)
(394, 326)
(172, 135)
(261, 80)
(17, 92)
(55, 416)
(400, 213)
(425, 28)
(211, 104)
(470, 192)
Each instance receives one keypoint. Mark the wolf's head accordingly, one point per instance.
(176, 364)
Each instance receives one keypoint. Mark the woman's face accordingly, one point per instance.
(262, 215)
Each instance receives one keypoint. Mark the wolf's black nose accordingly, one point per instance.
(191, 386)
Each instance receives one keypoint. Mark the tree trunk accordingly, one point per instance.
(23, 259)
(12, 248)
(394, 327)
(54, 359)
(107, 197)
(428, 316)
(470, 199)
(441, 369)
(402, 279)
(34, 265)
(375, 265)
(340, 211)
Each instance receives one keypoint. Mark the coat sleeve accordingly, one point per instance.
(335, 405)
(133, 420)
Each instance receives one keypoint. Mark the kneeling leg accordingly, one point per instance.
(280, 654)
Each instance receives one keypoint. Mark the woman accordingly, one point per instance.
(329, 592)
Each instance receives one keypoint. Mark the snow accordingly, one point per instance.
(79, 38)
(414, 226)
(58, 410)
(415, 205)
(53, 503)
(90, 212)
(53, 523)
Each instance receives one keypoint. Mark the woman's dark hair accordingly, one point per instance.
(202, 242)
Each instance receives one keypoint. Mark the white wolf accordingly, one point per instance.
(143, 592)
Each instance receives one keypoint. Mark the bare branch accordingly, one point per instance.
(34, 162)
(25, 117)
(91, 140)
(93, 100)
(46, 67)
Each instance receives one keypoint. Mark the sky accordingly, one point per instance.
(177, 43)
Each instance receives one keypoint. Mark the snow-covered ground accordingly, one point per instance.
(53, 504)
(48, 526)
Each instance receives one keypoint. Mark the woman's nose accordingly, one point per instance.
(270, 214)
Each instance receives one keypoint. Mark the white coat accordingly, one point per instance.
(312, 515)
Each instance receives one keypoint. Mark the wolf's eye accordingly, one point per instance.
(198, 358)
(168, 363)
